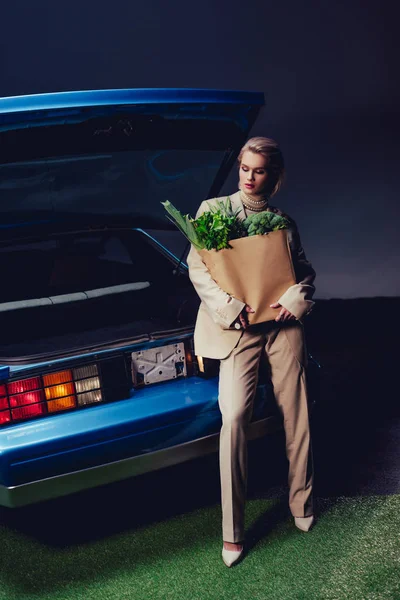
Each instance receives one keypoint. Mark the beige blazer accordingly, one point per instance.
(214, 335)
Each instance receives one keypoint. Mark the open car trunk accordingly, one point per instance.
(91, 289)
(82, 177)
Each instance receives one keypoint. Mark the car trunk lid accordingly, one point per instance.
(82, 177)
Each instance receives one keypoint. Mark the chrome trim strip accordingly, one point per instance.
(152, 340)
(62, 485)
(74, 297)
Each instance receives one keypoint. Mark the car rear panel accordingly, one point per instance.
(151, 419)
(73, 163)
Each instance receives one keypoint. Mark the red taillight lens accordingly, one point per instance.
(3, 397)
(5, 417)
(27, 412)
(25, 385)
(27, 398)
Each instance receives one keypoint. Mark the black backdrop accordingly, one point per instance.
(329, 72)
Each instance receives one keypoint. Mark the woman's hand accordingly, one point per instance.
(284, 314)
(242, 319)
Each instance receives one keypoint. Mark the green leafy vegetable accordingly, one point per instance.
(184, 223)
(215, 228)
(264, 222)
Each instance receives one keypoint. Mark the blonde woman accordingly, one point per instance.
(222, 332)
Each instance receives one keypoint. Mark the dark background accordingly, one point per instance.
(329, 71)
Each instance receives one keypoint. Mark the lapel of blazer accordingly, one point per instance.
(237, 204)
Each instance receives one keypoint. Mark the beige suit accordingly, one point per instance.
(240, 352)
(214, 337)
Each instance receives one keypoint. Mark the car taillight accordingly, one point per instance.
(25, 385)
(57, 378)
(87, 383)
(28, 412)
(61, 404)
(59, 390)
(5, 415)
(49, 393)
(89, 397)
(3, 397)
(27, 398)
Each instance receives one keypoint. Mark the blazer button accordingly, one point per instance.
(237, 325)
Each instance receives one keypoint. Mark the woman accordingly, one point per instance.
(223, 332)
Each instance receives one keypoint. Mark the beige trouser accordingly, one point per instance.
(286, 354)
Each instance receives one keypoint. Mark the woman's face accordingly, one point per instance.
(253, 174)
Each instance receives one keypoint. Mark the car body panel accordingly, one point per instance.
(154, 417)
(41, 134)
(108, 472)
(180, 141)
(56, 102)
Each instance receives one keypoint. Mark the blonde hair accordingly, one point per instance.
(275, 166)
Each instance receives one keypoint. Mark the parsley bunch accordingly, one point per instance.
(216, 227)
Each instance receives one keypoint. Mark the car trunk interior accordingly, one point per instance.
(104, 158)
(88, 289)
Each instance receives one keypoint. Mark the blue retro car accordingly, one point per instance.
(98, 378)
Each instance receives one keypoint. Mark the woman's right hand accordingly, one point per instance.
(243, 318)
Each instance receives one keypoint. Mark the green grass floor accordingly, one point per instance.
(55, 551)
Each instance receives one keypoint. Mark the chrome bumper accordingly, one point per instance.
(76, 481)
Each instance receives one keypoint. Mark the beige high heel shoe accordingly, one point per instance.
(231, 557)
(304, 523)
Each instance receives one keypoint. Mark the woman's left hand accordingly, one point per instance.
(284, 314)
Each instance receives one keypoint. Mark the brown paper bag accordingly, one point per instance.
(257, 270)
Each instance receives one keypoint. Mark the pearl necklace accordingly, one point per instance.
(254, 205)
